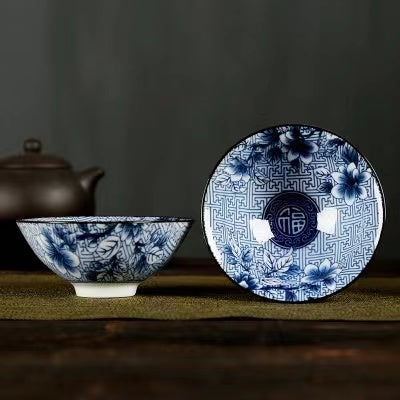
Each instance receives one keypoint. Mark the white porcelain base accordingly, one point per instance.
(105, 290)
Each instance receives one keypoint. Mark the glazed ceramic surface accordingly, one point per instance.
(89, 251)
(293, 213)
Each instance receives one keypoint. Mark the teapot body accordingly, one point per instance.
(46, 192)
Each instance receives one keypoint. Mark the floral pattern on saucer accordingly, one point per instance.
(300, 161)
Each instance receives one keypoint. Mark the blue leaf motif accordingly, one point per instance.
(129, 232)
(231, 259)
(238, 255)
(227, 249)
(283, 263)
(109, 247)
(349, 155)
(154, 255)
(65, 258)
(325, 187)
(257, 156)
(335, 142)
(269, 260)
(223, 179)
(321, 172)
(259, 176)
(293, 270)
(158, 239)
(247, 255)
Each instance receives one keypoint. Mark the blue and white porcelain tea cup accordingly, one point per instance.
(105, 256)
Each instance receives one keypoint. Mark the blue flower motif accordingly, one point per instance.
(297, 147)
(238, 170)
(60, 254)
(325, 273)
(269, 137)
(245, 280)
(349, 183)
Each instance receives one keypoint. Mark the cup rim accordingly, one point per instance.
(104, 219)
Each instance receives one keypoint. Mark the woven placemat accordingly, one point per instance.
(42, 296)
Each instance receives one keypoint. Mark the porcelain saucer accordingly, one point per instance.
(293, 213)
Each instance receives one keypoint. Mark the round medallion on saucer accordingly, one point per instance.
(293, 213)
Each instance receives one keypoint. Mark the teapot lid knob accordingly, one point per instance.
(32, 145)
(33, 158)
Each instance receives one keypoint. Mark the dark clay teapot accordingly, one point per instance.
(39, 185)
(35, 184)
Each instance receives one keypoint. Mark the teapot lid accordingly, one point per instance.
(33, 158)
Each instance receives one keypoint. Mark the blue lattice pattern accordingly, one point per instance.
(104, 249)
(303, 160)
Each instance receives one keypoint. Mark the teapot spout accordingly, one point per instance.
(89, 178)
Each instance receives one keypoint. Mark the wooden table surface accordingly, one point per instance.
(235, 359)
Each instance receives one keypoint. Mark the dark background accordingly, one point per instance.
(155, 91)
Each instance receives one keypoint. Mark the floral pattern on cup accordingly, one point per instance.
(112, 250)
